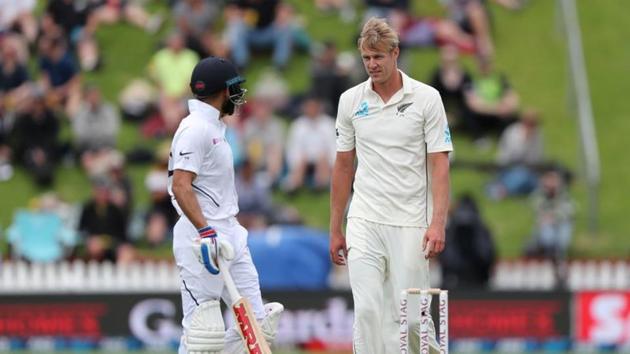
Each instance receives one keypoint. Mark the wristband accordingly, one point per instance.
(207, 231)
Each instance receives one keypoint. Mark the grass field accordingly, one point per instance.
(530, 49)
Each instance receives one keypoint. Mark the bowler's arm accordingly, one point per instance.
(186, 198)
(435, 237)
(342, 176)
(440, 182)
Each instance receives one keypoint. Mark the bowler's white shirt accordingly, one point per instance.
(392, 139)
(199, 146)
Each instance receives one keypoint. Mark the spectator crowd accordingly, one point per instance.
(282, 141)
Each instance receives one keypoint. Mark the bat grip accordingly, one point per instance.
(227, 279)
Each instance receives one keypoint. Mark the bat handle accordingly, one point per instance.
(227, 279)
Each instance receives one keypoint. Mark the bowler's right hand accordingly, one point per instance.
(338, 249)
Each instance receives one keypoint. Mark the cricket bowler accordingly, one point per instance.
(396, 128)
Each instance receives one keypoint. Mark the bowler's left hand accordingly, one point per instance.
(434, 241)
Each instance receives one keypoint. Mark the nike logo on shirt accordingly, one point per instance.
(184, 153)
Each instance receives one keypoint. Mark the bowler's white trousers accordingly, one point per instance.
(199, 286)
(383, 260)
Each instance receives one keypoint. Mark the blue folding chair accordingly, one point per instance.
(40, 236)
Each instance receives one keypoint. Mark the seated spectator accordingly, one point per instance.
(520, 151)
(473, 17)
(49, 29)
(96, 124)
(256, 207)
(96, 162)
(195, 19)
(172, 65)
(171, 68)
(59, 75)
(254, 198)
(121, 186)
(18, 16)
(491, 102)
(72, 16)
(18, 44)
(110, 164)
(469, 254)
(310, 148)
(161, 216)
(328, 79)
(384, 8)
(113, 11)
(260, 24)
(137, 100)
(78, 27)
(51, 202)
(8, 71)
(554, 211)
(263, 136)
(15, 84)
(36, 142)
(272, 88)
(521, 142)
(102, 223)
(450, 78)
(423, 32)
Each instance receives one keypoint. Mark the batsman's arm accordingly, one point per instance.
(186, 198)
(342, 176)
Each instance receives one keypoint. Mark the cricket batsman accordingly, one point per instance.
(201, 184)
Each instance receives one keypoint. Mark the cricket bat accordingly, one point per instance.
(244, 316)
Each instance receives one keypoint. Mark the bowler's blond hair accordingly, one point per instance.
(378, 34)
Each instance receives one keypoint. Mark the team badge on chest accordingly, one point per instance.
(401, 108)
(363, 110)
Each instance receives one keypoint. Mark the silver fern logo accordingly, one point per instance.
(400, 109)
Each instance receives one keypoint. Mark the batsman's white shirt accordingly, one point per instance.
(199, 146)
(392, 140)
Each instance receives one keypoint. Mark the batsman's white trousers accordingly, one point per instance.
(199, 286)
(382, 261)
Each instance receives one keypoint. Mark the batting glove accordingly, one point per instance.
(211, 247)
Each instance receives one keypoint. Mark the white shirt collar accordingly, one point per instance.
(406, 84)
(207, 111)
